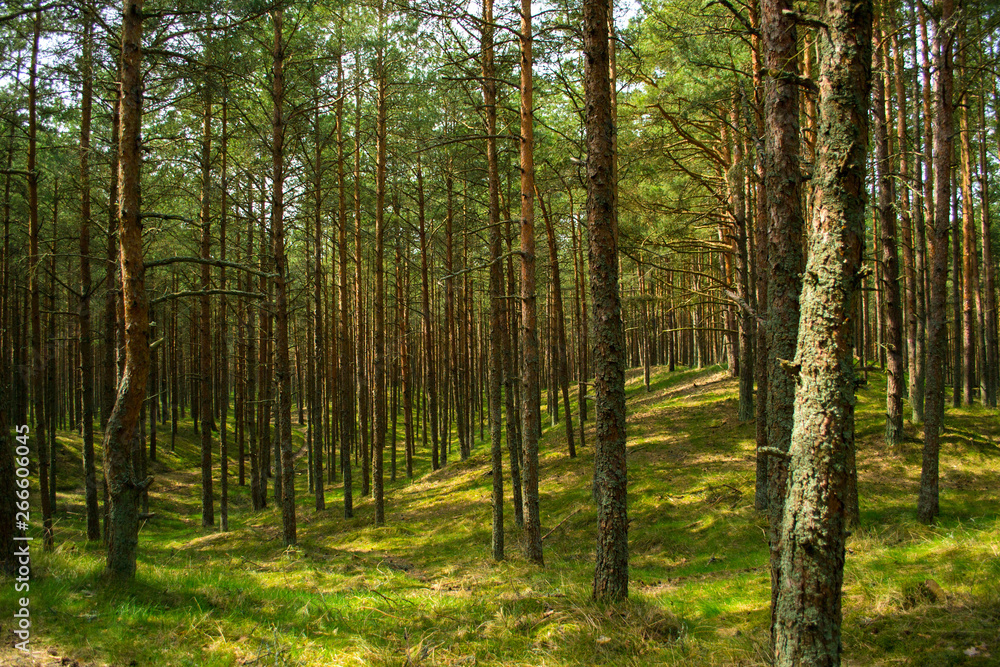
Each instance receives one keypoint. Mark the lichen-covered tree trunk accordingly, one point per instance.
(282, 367)
(783, 188)
(610, 471)
(892, 308)
(124, 490)
(807, 630)
(530, 418)
(927, 503)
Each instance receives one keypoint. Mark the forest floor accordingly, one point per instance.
(423, 591)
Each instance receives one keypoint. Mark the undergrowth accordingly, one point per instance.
(423, 590)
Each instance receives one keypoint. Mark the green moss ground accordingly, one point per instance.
(423, 590)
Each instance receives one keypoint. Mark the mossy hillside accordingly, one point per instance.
(423, 590)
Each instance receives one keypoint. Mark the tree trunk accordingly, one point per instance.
(360, 365)
(610, 472)
(783, 188)
(318, 407)
(927, 504)
(86, 348)
(813, 530)
(282, 368)
(427, 323)
(347, 431)
(561, 348)
(252, 369)
(39, 362)
(970, 259)
(379, 331)
(989, 300)
(893, 314)
(124, 489)
(737, 201)
(530, 420)
(906, 216)
(204, 322)
(223, 346)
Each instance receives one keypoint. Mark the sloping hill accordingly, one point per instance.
(423, 590)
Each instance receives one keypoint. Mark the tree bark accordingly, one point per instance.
(223, 331)
(318, 407)
(347, 430)
(282, 368)
(989, 311)
(970, 259)
(86, 287)
(927, 504)
(124, 489)
(893, 314)
(39, 361)
(360, 364)
(530, 418)
(428, 331)
(204, 323)
(379, 351)
(813, 529)
(783, 188)
(560, 324)
(610, 472)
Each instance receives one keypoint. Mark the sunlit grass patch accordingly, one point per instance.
(423, 590)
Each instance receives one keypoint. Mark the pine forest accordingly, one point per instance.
(657, 332)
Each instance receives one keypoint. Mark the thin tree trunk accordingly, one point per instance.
(927, 504)
(39, 362)
(361, 365)
(451, 322)
(989, 300)
(379, 331)
(204, 322)
(428, 331)
(970, 259)
(223, 346)
(318, 407)
(906, 218)
(893, 314)
(282, 368)
(347, 432)
(560, 323)
(86, 349)
(742, 274)
(530, 420)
